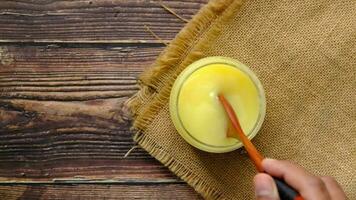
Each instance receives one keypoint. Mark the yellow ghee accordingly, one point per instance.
(199, 116)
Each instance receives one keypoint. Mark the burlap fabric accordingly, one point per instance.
(304, 54)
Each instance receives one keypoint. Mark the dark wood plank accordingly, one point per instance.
(63, 114)
(130, 60)
(72, 73)
(88, 191)
(66, 71)
(92, 21)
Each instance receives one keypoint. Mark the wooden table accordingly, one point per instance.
(66, 69)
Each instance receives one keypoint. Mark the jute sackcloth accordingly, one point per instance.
(304, 54)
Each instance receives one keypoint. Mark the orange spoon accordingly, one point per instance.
(284, 190)
(255, 156)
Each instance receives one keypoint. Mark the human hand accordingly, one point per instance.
(309, 186)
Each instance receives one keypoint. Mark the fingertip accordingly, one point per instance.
(265, 187)
(269, 163)
(262, 178)
(279, 167)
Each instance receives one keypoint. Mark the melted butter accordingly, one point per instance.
(199, 108)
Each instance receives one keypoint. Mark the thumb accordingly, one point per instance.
(265, 188)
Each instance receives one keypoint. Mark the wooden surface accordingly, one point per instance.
(94, 21)
(105, 191)
(66, 70)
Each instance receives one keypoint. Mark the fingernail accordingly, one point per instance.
(267, 161)
(266, 189)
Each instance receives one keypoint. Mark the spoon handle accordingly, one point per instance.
(285, 191)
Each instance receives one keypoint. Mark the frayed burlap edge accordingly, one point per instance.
(156, 83)
(178, 168)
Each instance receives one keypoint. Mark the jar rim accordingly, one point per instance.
(175, 94)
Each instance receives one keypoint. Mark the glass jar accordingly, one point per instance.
(195, 110)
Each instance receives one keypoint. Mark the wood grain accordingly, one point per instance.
(89, 191)
(63, 114)
(66, 70)
(92, 21)
(72, 73)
